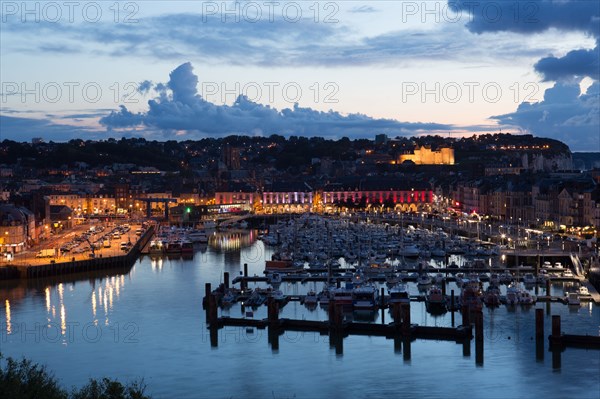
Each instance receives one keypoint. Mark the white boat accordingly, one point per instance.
(568, 273)
(583, 290)
(512, 295)
(525, 298)
(364, 297)
(423, 279)
(410, 251)
(311, 298)
(278, 295)
(435, 301)
(573, 299)
(324, 296)
(399, 294)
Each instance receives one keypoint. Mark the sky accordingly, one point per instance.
(191, 69)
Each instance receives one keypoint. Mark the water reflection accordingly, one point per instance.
(232, 240)
(8, 317)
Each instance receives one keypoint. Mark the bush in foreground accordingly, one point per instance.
(27, 380)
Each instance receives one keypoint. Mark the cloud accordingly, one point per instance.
(530, 16)
(179, 108)
(539, 16)
(265, 43)
(24, 129)
(576, 63)
(363, 9)
(564, 114)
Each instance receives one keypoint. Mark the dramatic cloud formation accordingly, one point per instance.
(179, 107)
(577, 63)
(538, 16)
(564, 114)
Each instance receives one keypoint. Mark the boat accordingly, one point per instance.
(512, 295)
(410, 251)
(187, 247)
(198, 236)
(173, 247)
(324, 296)
(399, 294)
(525, 298)
(439, 279)
(274, 278)
(568, 273)
(278, 295)
(423, 279)
(156, 247)
(438, 253)
(435, 302)
(311, 298)
(228, 299)
(256, 299)
(529, 279)
(342, 296)
(491, 296)
(470, 297)
(572, 299)
(364, 297)
(583, 290)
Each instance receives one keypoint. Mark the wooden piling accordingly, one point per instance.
(556, 327)
(406, 318)
(539, 325)
(452, 306)
(382, 304)
(226, 280)
(479, 337)
(548, 287)
(443, 289)
(245, 270)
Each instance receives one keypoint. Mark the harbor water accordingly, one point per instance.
(148, 323)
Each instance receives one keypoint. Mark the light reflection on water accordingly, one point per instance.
(152, 326)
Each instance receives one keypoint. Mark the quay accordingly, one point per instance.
(33, 271)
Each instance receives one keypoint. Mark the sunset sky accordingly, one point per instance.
(176, 70)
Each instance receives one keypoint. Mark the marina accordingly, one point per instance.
(300, 329)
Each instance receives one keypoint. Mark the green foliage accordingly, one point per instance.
(26, 380)
(110, 389)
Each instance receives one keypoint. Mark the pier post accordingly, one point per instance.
(339, 317)
(207, 291)
(539, 325)
(397, 314)
(382, 304)
(479, 338)
(539, 334)
(443, 287)
(406, 318)
(465, 311)
(212, 310)
(555, 328)
(548, 287)
(226, 280)
(452, 306)
(466, 347)
(244, 283)
(407, 349)
(272, 312)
